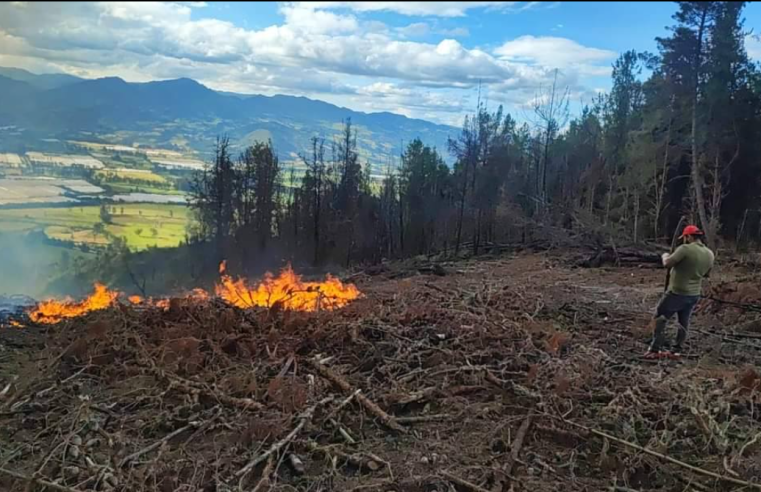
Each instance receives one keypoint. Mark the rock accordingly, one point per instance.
(74, 452)
(297, 464)
(71, 472)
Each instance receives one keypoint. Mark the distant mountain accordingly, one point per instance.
(40, 81)
(184, 114)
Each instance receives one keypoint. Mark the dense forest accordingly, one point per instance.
(677, 135)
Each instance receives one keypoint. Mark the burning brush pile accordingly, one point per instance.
(500, 376)
(287, 291)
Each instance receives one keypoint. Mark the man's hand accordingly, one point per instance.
(664, 258)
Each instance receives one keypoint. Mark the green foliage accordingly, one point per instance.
(105, 215)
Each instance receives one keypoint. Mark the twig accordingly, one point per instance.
(675, 461)
(193, 389)
(348, 400)
(747, 445)
(148, 449)
(370, 463)
(425, 418)
(385, 418)
(462, 483)
(39, 481)
(348, 437)
(515, 449)
(265, 480)
(303, 419)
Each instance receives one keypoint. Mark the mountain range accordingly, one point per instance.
(183, 114)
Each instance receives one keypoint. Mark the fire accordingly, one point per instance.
(198, 295)
(16, 324)
(53, 311)
(288, 291)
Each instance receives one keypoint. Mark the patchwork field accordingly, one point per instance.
(43, 190)
(87, 161)
(141, 225)
(132, 174)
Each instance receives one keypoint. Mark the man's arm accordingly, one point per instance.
(670, 261)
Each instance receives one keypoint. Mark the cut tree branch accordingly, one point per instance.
(373, 408)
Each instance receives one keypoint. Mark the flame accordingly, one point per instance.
(288, 291)
(198, 295)
(53, 311)
(16, 324)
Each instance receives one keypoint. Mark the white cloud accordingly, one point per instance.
(422, 29)
(555, 52)
(318, 52)
(415, 30)
(456, 32)
(753, 46)
(439, 9)
(303, 18)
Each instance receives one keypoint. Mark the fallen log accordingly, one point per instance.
(626, 255)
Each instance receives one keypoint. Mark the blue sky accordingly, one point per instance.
(422, 59)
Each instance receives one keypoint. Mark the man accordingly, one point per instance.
(689, 264)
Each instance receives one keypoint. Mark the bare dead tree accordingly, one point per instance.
(551, 114)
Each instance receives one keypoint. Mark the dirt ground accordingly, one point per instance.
(518, 373)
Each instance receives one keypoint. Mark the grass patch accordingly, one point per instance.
(141, 225)
(136, 174)
(125, 188)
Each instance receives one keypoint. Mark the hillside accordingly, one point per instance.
(40, 81)
(519, 373)
(186, 115)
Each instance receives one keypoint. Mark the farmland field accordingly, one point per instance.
(10, 160)
(141, 225)
(43, 190)
(64, 160)
(134, 174)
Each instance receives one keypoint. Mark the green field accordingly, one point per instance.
(116, 187)
(141, 225)
(135, 174)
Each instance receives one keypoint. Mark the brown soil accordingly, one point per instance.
(519, 373)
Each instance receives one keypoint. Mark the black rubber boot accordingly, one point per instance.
(660, 327)
(681, 336)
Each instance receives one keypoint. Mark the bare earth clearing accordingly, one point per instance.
(520, 373)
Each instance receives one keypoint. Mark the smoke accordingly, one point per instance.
(29, 263)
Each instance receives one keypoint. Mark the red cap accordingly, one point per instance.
(691, 230)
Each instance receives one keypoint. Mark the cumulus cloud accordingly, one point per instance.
(328, 50)
(439, 9)
(415, 30)
(555, 52)
(423, 29)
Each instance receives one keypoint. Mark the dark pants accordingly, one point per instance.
(670, 305)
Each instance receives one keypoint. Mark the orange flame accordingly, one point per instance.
(135, 299)
(288, 291)
(16, 324)
(53, 311)
(198, 295)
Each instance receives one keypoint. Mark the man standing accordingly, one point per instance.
(689, 264)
